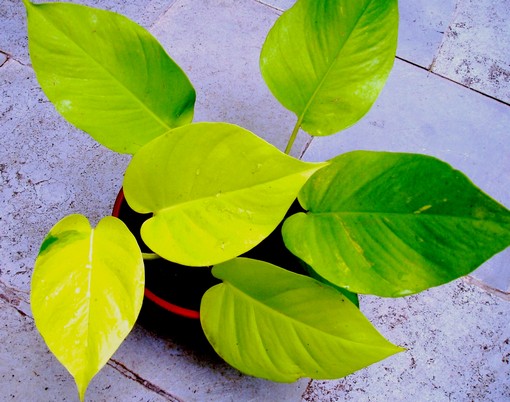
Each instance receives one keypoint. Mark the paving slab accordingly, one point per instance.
(458, 349)
(48, 170)
(422, 27)
(13, 34)
(422, 113)
(218, 45)
(476, 48)
(29, 372)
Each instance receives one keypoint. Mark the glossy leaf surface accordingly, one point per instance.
(393, 224)
(216, 190)
(107, 75)
(327, 61)
(87, 291)
(275, 324)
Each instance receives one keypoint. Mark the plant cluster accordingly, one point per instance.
(380, 223)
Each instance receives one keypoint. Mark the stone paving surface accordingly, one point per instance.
(457, 336)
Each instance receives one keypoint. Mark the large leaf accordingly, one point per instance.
(216, 190)
(327, 61)
(87, 291)
(107, 75)
(275, 324)
(392, 224)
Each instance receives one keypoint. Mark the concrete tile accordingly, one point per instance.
(197, 376)
(278, 4)
(13, 30)
(218, 45)
(421, 29)
(420, 112)
(29, 372)
(476, 48)
(3, 59)
(13, 38)
(48, 169)
(149, 367)
(458, 349)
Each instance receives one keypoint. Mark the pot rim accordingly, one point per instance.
(164, 304)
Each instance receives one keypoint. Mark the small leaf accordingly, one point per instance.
(87, 291)
(107, 75)
(327, 61)
(215, 189)
(393, 224)
(275, 324)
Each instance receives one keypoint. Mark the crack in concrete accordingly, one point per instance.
(279, 10)
(128, 373)
(489, 289)
(7, 57)
(12, 297)
(307, 392)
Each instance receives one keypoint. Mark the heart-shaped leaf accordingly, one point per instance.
(275, 324)
(393, 224)
(216, 191)
(327, 61)
(107, 75)
(87, 291)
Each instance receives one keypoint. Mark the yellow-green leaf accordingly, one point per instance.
(216, 190)
(107, 75)
(328, 60)
(275, 324)
(87, 291)
(393, 224)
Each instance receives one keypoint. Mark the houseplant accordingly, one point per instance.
(377, 223)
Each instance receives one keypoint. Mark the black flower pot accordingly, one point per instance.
(173, 292)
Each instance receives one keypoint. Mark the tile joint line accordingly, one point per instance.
(451, 80)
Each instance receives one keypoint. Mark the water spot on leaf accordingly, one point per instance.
(423, 209)
(64, 105)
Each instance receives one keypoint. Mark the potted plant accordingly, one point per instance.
(387, 224)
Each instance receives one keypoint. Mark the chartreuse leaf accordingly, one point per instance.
(393, 224)
(107, 75)
(327, 61)
(87, 291)
(216, 190)
(275, 324)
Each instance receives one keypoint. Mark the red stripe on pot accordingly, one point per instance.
(118, 203)
(185, 312)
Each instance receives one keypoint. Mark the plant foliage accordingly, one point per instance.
(87, 291)
(388, 224)
(275, 324)
(107, 75)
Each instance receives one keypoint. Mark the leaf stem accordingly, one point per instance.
(293, 137)
(150, 256)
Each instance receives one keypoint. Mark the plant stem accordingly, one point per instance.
(293, 137)
(150, 256)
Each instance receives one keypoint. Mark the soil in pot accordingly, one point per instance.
(173, 292)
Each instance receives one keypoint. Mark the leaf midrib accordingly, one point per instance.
(230, 193)
(409, 214)
(103, 68)
(328, 71)
(295, 321)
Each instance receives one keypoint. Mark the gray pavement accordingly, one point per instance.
(448, 96)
